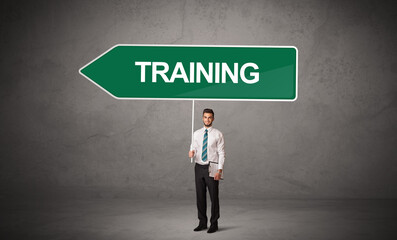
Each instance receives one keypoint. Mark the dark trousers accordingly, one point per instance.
(204, 181)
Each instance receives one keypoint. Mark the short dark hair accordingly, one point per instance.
(209, 110)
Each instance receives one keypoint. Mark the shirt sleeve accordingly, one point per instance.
(221, 151)
(193, 145)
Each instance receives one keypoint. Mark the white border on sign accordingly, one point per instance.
(199, 99)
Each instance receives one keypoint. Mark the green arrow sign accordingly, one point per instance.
(243, 73)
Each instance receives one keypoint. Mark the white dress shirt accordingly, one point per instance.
(215, 146)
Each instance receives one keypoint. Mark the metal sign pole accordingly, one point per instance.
(191, 159)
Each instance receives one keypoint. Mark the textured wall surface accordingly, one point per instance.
(59, 131)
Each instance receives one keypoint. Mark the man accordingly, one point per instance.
(207, 147)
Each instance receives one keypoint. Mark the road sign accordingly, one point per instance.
(201, 72)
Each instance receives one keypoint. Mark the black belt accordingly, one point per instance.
(202, 166)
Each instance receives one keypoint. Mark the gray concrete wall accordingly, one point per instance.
(59, 131)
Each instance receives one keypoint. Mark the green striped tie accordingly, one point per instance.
(204, 154)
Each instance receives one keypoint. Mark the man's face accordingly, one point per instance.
(208, 118)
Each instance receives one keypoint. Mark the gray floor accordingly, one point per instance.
(175, 219)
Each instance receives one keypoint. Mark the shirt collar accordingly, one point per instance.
(209, 129)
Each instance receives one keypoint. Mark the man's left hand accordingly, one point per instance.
(217, 176)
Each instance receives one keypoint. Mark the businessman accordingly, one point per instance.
(207, 147)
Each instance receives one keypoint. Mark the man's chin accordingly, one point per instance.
(208, 125)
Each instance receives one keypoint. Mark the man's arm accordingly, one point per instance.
(221, 152)
(193, 150)
(221, 155)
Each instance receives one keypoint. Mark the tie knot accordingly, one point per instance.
(206, 130)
